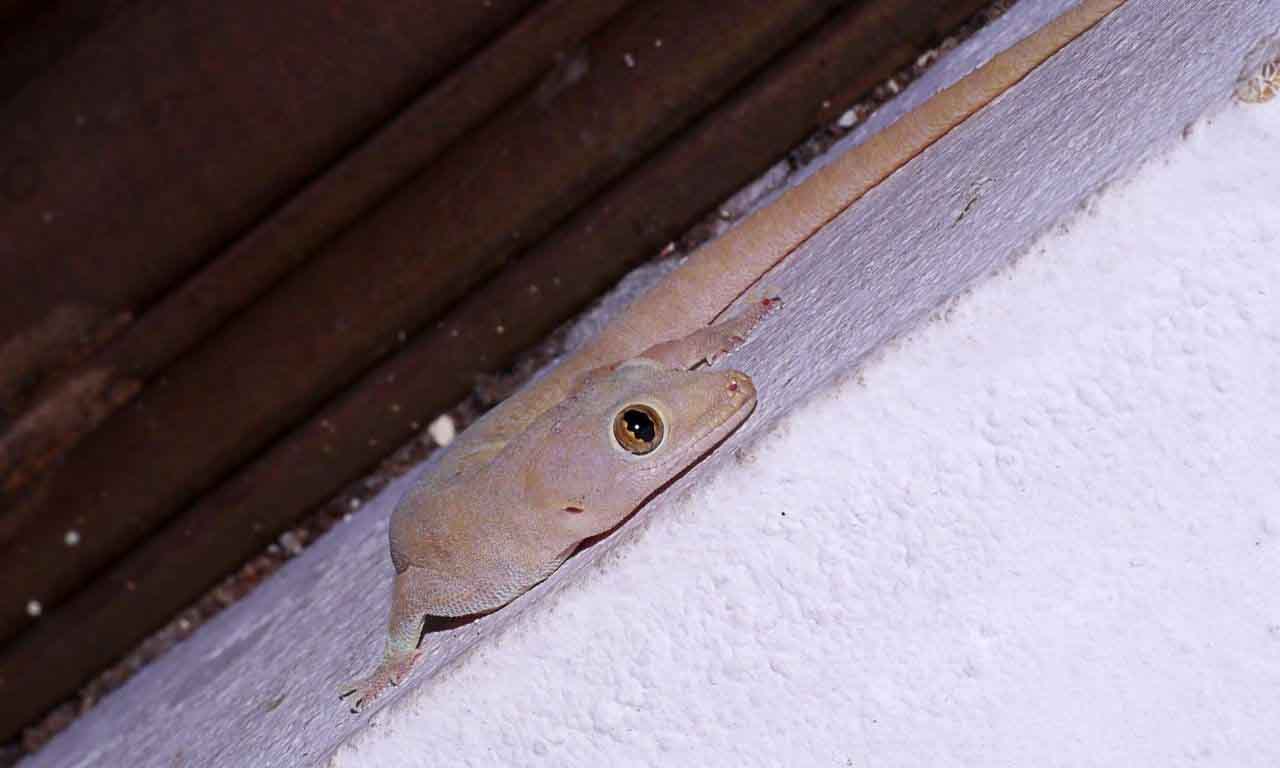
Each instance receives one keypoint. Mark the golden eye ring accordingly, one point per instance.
(638, 429)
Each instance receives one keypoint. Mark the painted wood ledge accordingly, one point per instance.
(257, 684)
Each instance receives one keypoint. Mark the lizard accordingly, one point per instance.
(524, 486)
(552, 465)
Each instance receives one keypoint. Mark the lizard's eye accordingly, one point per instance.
(638, 429)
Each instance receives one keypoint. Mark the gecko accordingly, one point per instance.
(521, 489)
(573, 453)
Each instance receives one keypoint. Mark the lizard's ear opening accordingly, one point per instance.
(574, 509)
(638, 429)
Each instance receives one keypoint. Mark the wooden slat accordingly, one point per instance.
(31, 42)
(723, 151)
(161, 137)
(11, 10)
(509, 183)
(398, 151)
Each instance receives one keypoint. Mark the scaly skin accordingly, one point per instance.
(515, 494)
(500, 512)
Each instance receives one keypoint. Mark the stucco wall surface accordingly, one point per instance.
(1043, 529)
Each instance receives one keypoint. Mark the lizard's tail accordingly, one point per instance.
(722, 271)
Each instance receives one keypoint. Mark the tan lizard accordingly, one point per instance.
(576, 451)
(528, 482)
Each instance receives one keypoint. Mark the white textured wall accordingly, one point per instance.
(1042, 528)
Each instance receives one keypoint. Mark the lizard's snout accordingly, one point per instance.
(739, 387)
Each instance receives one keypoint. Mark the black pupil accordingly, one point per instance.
(640, 425)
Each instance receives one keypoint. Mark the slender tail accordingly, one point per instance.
(720, 272)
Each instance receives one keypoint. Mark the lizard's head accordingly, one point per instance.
(624, 433)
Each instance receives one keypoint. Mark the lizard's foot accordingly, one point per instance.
(1263, 86)
(709, 344)
(391, 672)
(732, 333)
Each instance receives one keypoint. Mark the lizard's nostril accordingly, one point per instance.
(739, 387)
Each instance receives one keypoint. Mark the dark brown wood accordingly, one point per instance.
(31, 41)
(403, 264)
(86, 395)
(13, 10)
(524, 302)
(158, 139)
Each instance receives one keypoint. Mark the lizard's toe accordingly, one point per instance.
(360, 693)
(391, 672)
(357, 693)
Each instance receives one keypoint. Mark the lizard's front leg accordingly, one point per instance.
(404, 631)
(710, 343)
